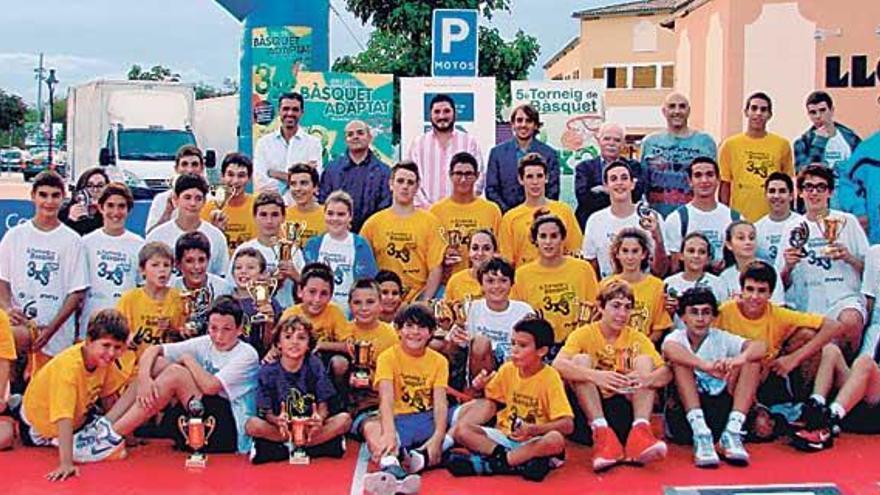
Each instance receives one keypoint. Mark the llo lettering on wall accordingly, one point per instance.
(454, 37)
(859, 75)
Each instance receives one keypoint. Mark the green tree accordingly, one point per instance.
(156, 73)
(401, 44)
(204, 90)
(12, 111)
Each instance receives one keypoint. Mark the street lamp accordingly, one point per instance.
(51, 81)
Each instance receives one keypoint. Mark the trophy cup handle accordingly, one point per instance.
(210, 426)
(181, 425)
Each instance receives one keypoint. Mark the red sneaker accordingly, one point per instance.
(607, 450)
(642, 446)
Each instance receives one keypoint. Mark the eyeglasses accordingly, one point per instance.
(815, 187)
(95, 187)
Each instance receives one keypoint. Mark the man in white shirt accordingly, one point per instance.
(702, 214)
(828, 275)
(189, 196)
(42, 274)
(287, 145)
(779, 191)
(189, 160)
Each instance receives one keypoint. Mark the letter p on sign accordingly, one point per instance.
(454, 43)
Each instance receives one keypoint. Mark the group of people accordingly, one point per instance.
(729, 288)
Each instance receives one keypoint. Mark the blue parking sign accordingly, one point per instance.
(454, 43)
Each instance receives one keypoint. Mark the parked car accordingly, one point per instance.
(39, 161)
(11, 159)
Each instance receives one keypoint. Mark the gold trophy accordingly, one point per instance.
(197, 431)
(297, 415)
(362, 351)
(261, 291)
(289, 239)
(586, 311)
(444, 315)
(453, 239)
(460, 311)
(831, 226)
(645, 214)
(195, 302)
(221, 194)
(626, 363)
(798, 237)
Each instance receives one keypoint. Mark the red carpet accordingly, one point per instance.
(156, 469)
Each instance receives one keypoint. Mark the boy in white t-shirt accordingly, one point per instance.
(111, 253)
(490, 320)
(702, 214)
(827, 276)
(779, 192)
(42, 276)
(716, 376)
(189, 160)
(603, 225)
(189, 196)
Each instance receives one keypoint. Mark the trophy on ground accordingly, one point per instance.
(196, 430)
(362, 354)
(289, 240)
(296, 412)
(195, 303)
(646, 214)
(221, 194)
(798, 237)
(831, 226)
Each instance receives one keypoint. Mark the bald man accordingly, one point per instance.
(360, 173)
(666, 155)
(588, 184)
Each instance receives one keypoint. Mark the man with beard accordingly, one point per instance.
(589, 188)
(287, 145)
(748, 158)
(433, 150)
(502, 182)
(666, 155)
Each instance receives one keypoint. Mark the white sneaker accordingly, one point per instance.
(732, 448)
(98, 442)
(704, 451)
(391, 481)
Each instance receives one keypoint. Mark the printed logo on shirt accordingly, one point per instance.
(120, 263)
(638, 319)
(758, 163)
(400, 252)
(41, 265)
(522, 408)
(415, 392)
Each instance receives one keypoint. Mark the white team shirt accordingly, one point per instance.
(339, 256)
(42, 269)
(157, 207)
(711, 223)
(497, 326)
(111, 267)
(680, 285)
(169, 232)
(599, 232)
(821, 282)
(717, 344)
(770, 240)
(730, 280)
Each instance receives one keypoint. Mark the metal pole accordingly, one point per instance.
(51, 81)
(39, 77)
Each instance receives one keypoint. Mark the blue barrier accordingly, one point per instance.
(16, 211)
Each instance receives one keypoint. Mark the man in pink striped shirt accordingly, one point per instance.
(433, 150)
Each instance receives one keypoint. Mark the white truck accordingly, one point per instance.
(132, 127)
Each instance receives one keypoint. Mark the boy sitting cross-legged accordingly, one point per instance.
(301, 371)
(533, 413)
(717, 375)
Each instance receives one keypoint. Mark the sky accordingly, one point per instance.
(93, 39)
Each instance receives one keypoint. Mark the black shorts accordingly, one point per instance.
(224, 439)
(778, 390)
(618, 412)
(864, 418)
(716, 410)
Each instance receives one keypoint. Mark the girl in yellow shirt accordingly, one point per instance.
(482, 248)
(629, 255)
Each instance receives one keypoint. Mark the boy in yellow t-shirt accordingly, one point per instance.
(7, 357)
(154, 311)
(793, 338)
(463, 212)
(514, 238)
(615, 372)
(58, 399)
(413, 412)
(533, 413)
(302, 207)
(236, 219)
(407, 240)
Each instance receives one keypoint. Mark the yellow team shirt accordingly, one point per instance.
(414, 378)
(7, 341)
(746, 163)
(314, 220)
(465, 219)
(554, 292)
(514, 241)
(773, 327)
(144, 314)
(410, 246)
(329, 326)
(462, 284)
(649, 314)
(240, 224)
(537, 399)
(65, 389)
(382, 337)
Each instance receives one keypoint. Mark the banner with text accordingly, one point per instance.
(333, 99)
(278, 54)
(571, 113)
